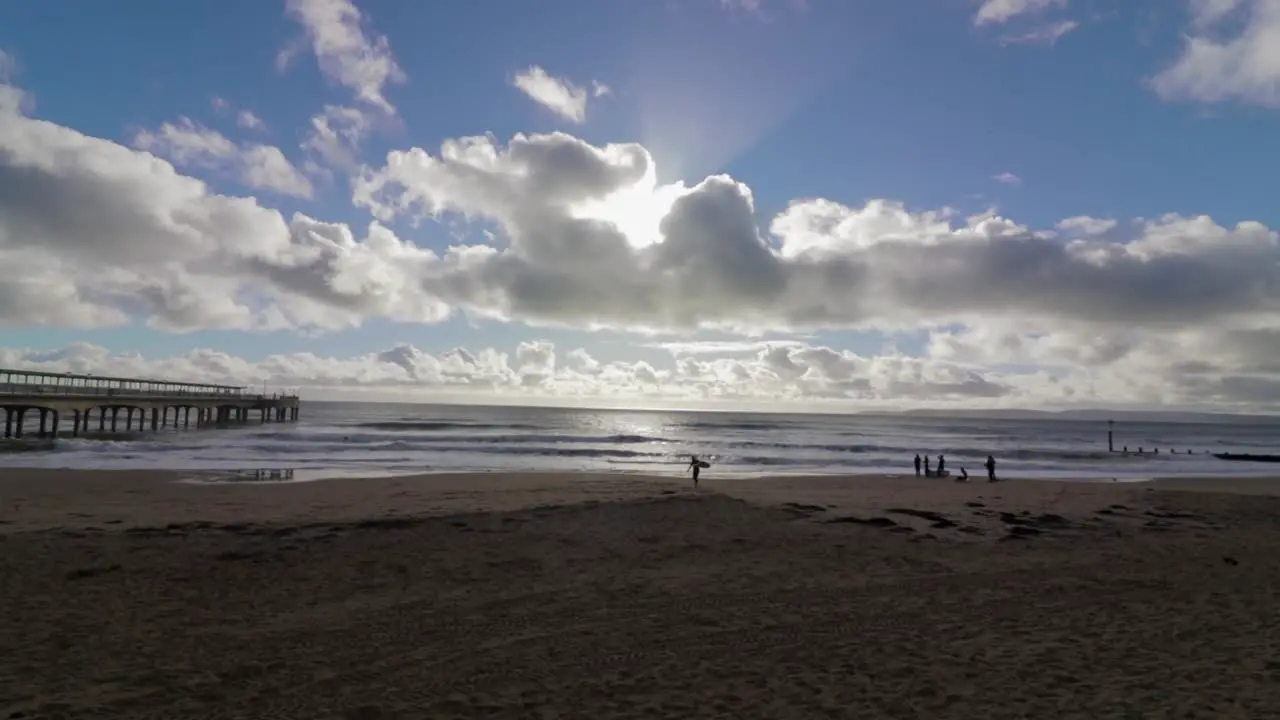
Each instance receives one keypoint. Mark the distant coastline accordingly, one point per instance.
(1081, 414)
(1095, 415)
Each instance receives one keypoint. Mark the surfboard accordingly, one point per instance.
(704, 464)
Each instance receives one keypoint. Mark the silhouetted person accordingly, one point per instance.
(991, 468)
(964, 476)
(927, 472)
(696, 465)
(917, 464)
(942, 465)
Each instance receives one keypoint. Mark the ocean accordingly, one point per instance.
(333, 439)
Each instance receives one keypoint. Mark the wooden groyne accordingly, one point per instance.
(41, 402)
(1125, 450)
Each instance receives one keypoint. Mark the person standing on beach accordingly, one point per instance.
(695, 465)
(942, 465)
(926, 466)
(917, 464)
(991, 468)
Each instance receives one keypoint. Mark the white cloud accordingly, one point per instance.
(828, 265)
(347, 55)
(335, 136)
(1218, 367)
(1008, 178)
(1085, 225)
(1219, 63)
(261, 167)
(756, 8)
(113, 233)
(799, 373)
(1001, 11)
(1206, 13)
(1044, 35)
(247, 120)
(722, 347)
(557, 94)
(968, 369)
(93, 233)
(354, 59)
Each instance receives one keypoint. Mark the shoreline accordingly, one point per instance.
(251, 474)
(38, 498)
(304, 475)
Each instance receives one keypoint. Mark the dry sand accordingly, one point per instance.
(125, 595)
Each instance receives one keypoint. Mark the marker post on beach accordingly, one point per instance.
(1111, 446)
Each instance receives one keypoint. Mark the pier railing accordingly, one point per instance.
(69, 385)
(72, 391)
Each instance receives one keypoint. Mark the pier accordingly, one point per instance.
(40, 401)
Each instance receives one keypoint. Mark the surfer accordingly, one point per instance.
(696, 465)
(917, 464)
(991, 468)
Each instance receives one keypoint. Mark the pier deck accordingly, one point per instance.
(104, 402)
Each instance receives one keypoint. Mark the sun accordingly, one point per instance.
(637, 211)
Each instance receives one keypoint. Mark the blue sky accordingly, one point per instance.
(850, 101)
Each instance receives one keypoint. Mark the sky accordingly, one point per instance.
(832, 205)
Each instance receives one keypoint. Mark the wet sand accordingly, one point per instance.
(127, 595)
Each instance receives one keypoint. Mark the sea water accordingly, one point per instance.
(381, 438)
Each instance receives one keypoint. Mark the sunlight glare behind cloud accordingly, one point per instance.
(637, 211)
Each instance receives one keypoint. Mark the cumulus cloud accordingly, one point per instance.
(823, 265)
(968, 368)
(112, 233)
(1231, 367)
(799, 373)
(1008, 178)
(1002, 11)
(93, 233)
(1232, 53)
(261, 167)
(557, 94)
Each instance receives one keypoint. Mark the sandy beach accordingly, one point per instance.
(130, 595)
